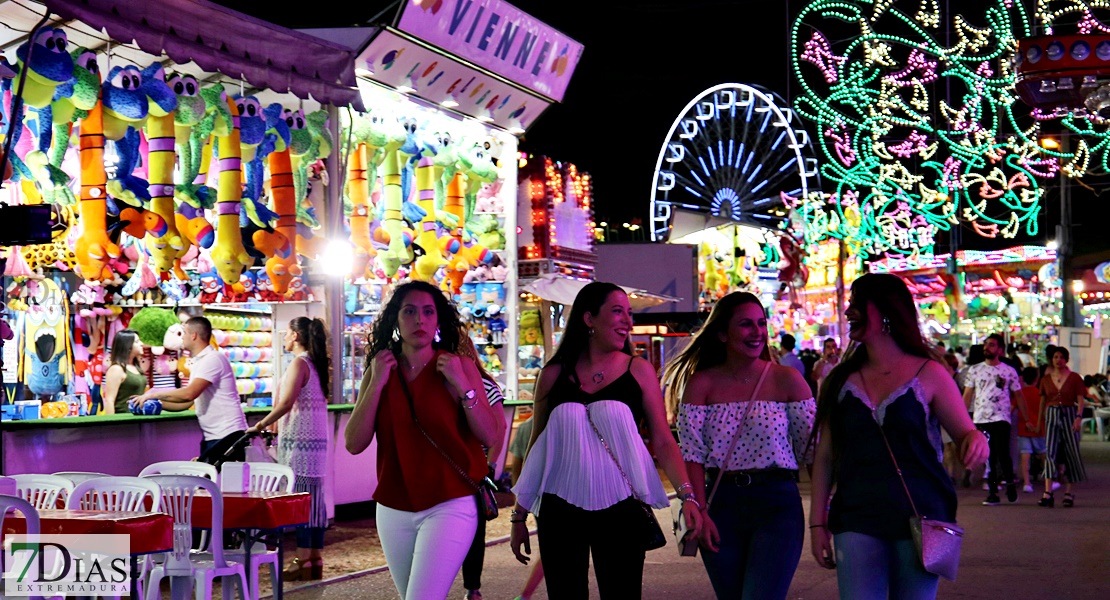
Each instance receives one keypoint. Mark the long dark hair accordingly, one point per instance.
(381, 337)
(576, 336)
(121, 348)
(890, 296)
(706, 350)
(313, 335)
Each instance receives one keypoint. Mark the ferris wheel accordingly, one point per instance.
(733, 152)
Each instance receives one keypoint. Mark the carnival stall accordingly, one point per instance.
(989, 292)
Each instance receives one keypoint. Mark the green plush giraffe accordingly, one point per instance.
(309, 144)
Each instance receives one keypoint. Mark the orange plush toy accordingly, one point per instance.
(94, 248)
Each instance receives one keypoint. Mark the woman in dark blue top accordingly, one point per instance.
(892, 380)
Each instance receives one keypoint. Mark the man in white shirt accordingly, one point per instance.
(211, 388)
(992, 388)
(788, 358)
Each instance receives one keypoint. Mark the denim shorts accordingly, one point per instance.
(1031, 445)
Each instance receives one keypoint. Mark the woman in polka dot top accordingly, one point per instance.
(753, 535)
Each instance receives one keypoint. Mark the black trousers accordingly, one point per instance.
(1002, 465)
(472, 564)
(569, 534)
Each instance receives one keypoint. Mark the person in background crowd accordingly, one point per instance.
(426, 513)
(1062, 395)
(519, 449)
(888, 388)
(787, 357)
(809, 358)
(952, 465)
(830, 357)
(1049, 352)
(1030, 437)
(993, 389)
(974, 357)
(959, 352)
(124, 378)
(302, 409)
(1025, 355)
(1011, 359)
(587, 466)
(212, 388)
(753, 531)
(476, 556)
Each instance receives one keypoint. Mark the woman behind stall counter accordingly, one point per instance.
(124, 379)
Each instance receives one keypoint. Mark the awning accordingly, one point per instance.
(563, 290)
(217, 39)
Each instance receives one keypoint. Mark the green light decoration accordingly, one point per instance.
(905, 163)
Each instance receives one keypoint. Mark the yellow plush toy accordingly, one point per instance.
(229, 256)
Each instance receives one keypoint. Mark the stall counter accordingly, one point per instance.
(124, 444)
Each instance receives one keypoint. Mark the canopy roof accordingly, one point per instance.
(213, 38)
(563, 290)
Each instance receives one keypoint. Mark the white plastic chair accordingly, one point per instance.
(178, 492)
(181, 467)
(265, 477)
(30, 515)
(80, 476)
(43, 491)
(119, 494)
(116, 493)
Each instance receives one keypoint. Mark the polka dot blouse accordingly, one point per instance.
(775, 435)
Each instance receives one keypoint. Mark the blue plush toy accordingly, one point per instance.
(152, 406)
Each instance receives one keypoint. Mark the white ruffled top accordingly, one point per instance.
(775, 435)
(569, 461)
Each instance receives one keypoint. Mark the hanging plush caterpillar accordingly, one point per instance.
(199, 113)
(260, 133)
(164, 250)
(282, 270)
(94, 248)
(315, 131)
(229, 256)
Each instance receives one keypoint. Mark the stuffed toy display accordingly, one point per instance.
(229, 255)
(45, 351)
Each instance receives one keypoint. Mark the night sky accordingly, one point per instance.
(644, 60)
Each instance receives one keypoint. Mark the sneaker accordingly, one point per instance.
(992, 500)
(986, 486)
(1027, 489)
(1011, 493)
(473, 595)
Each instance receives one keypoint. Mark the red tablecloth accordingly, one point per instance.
(254, 510)
(150, 532)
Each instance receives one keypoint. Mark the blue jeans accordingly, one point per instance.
(871, 568)
(762, 530)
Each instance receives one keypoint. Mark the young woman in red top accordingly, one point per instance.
(427, 513)
(1062, 394)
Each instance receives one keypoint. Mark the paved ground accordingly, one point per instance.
(1011, 552)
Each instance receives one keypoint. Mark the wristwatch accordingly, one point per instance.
(469, 399)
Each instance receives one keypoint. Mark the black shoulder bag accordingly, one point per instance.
(487, 502)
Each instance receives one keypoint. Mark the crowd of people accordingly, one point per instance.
(749, 419)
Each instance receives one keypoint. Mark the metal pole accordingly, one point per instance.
(1069, 315)
(333, 230)
(841, 305)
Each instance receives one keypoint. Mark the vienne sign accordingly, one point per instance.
(498, 37)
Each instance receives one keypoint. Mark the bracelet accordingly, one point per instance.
(695, 502)
(518, 513)
(685, 486)
(518, 520)
(472, 404)
(817, 526)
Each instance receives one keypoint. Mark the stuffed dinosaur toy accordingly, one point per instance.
(229, 255)
(479, 170)
(262, 132)
(49, 67)
(319, 145)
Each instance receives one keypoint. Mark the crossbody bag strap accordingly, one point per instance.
(897, 469)
(420, 428)
(611, 454)
(739, 429)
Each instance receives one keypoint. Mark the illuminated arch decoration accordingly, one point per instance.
(904, 164)
(733, 152)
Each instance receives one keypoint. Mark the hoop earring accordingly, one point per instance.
(437, 338)
(886, 326)
(396, 335)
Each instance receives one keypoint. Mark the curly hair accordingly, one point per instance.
(381, 336)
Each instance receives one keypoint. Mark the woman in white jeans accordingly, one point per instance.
(416, 393)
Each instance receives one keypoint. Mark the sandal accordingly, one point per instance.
(1047, 500)
(1069, 500)
(296, 571)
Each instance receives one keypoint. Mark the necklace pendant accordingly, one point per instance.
(599, 377)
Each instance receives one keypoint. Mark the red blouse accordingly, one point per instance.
(1067, 393)
(412, 475)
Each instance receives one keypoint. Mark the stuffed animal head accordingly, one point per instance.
(300, 137)
(252, 124)
(122, 95)
(276, 126)
(190, 106)
(174, 339)
(217, 109)
(50, 66)
(152, 323)
(160, 97)
(82, 91)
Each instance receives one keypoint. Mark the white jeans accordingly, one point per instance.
(425, 549)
